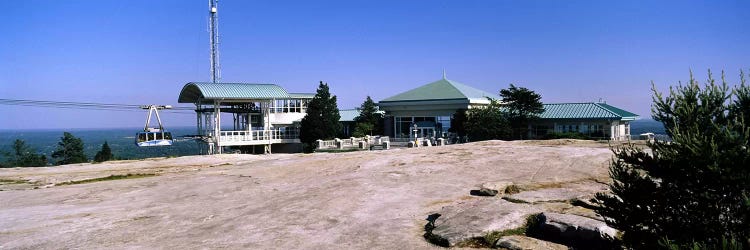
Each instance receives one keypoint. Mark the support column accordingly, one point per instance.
(267, 126)
(217, 127)
(394, 127)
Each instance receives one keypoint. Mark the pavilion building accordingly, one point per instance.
(430, 108)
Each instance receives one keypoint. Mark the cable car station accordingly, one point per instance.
(261, 114)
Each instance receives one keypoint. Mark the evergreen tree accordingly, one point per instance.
(322, 119)
(487, 123)
(521, 106)
(24, 157)
(368, 114)
(105, 154)
(458, 121)
(362, 129)
(69, 150)
(695, 190)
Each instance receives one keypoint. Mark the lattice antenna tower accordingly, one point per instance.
(213, 30)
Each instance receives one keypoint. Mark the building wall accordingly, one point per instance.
(286, 148)
(400, 115)
(347, 128)
(597, 128)
(402, 126)
(286, 118)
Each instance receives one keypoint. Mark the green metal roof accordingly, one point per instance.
(442, 89)
(348, 115)
(618, 111)
(194, 91)
(585, 111)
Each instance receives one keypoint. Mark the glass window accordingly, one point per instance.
(403, 127)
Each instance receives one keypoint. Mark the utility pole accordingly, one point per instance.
(213, 30)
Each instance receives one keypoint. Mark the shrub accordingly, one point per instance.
(694, 190)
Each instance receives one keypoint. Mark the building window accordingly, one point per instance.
(288, 106)
(445, 123)
(403, 126)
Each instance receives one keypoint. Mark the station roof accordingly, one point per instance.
(588, 110)
(195, 91)
(442, 89)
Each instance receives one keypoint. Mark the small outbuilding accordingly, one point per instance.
(596, 120)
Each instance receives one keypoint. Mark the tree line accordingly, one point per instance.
(69, 151)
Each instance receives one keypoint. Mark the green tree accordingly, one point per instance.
(362, 129)
(694, 190)
(69, 150)
(487, 123)
(105, 154)
(23, 156)
(368, 114)
(458, 120)
(521, 106)
(322, 119)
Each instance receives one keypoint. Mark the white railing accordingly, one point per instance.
(351, 142)
(282, 133)
(328, 144)
(401, 139)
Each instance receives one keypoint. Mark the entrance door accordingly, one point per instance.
(425, 129)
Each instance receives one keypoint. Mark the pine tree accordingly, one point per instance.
(694, 190)
(322, 119)
(105, 154)
(69, 150)
(24, 157)
(368, 114)
(521, 106)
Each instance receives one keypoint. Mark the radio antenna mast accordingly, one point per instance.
(213, 30)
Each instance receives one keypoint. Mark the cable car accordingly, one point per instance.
(154, 136)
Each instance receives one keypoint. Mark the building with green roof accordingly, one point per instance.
(262, 115)
(430, 107)
(428, 110)
(598, 120)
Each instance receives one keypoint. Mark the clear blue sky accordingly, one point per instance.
(142, 52)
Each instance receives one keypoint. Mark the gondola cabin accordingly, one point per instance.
(154, 138)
